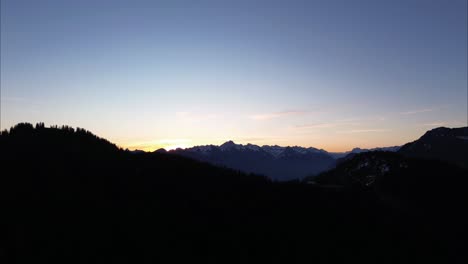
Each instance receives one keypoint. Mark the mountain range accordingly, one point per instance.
(68, 194)
(275, 162)
(290, 163)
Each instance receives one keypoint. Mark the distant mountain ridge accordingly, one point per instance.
(338, 155)
(274, 150)
(275, 162)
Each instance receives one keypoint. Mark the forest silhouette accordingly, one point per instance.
(70, 196)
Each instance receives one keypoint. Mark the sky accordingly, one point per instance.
(150, 74)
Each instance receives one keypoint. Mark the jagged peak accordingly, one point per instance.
(228, 144)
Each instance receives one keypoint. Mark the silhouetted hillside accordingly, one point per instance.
(25, 137)
(354, 151)
(397, 175)
(69, 196)
(448, 144)
(433, 190)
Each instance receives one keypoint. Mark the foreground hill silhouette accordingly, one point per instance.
(447, 144)
(68, 196)
(410, 184)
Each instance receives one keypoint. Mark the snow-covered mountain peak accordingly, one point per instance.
(203, 149)
(253, 147)
(275, 150)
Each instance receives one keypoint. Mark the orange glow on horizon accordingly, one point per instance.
(149, 147)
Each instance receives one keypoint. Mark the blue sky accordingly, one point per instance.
(150, 74)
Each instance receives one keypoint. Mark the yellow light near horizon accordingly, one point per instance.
(152, 145)
(150, 148)
(173, 147)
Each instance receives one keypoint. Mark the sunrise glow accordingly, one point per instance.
(141, 74)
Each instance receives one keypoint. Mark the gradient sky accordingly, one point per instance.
(150, 74)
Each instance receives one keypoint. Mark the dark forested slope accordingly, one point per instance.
(447, 144)
(68, 196)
